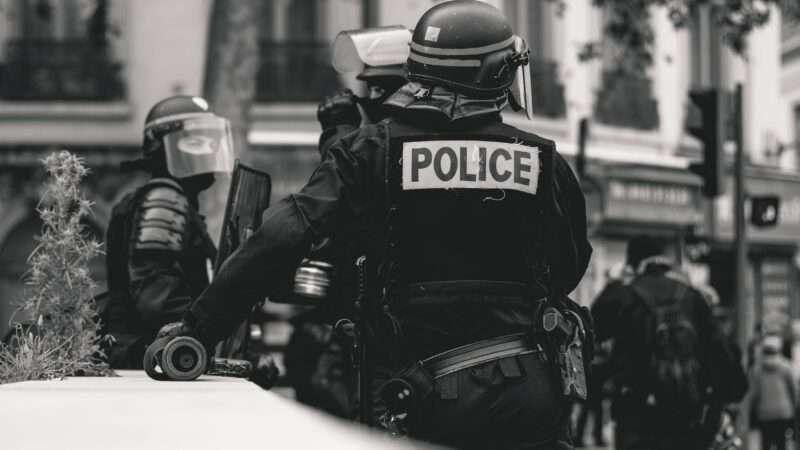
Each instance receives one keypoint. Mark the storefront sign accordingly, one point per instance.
(775, 292)
(666, 199)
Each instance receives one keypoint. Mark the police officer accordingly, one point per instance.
(317, 358)
(474, 228)
(378, 55)
(339, 113)
(158, 248)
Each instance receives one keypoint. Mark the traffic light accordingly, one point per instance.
(707, 121)
(764, 210)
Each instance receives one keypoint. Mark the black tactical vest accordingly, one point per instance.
(460, 253)
(464, 206)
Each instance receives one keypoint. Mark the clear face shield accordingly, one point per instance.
(199, 145)
(521, 87)
(353, 50)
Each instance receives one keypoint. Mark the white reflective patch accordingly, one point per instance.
(202, 103)
(432, 34)
(470, 165)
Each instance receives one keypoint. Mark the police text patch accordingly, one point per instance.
(470, 165)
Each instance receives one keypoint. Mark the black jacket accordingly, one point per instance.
(157, 247)
(622, 315)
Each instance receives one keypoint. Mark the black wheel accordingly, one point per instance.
(152, 359)
(184, 359)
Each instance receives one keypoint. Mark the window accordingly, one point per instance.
(295, 47)
(790, 32)
(624, 97)
(58, 50)
(536, 22)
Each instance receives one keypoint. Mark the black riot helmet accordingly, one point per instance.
(184, 139)
(467, 46)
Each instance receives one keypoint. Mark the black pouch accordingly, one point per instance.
(404, 393)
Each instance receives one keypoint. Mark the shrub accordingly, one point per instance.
(64, 339)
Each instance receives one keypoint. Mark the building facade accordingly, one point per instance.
(81, 75)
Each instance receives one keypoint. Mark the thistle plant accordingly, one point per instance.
(63, 340)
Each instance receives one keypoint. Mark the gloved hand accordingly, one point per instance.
(175, 329)
(265, 372)
(182, 328)
(341, 108)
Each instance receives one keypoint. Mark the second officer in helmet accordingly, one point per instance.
(158, 249)
(476, 231)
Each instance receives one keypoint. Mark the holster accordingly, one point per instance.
(569, 339)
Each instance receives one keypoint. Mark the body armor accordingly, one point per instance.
(453, 239)
(157, 252)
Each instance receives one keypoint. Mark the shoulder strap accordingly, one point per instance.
(679, 293)
(388, 266)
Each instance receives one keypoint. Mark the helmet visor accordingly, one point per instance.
(521, 87)
(379, 46)
(199, 145)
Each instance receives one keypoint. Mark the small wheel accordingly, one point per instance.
(184, 359)
(152, 359)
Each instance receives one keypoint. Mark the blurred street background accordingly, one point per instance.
(81, 75)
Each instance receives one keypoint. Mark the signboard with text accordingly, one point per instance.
(644, 195)
(775, 294)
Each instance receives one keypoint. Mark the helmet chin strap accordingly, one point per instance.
(512, 101)
(193, 186)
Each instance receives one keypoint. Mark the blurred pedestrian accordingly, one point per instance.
(773, 396)
(670, 362)
(594, 403)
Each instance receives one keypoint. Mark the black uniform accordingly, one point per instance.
(157, 254)
(450, 266)
(318, 359)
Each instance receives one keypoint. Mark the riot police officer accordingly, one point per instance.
(378, 55)
(476, 231)
(317, 358)
(158, 249)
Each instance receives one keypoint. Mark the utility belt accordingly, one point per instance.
(478, 353)
(558, 336)
(404, 393)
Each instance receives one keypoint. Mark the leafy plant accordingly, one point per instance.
(63, 341)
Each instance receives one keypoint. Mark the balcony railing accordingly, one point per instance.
(548, 91)
(626, 100)
(295, 71)
(42, 70)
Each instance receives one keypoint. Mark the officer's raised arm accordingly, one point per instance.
(328, 202)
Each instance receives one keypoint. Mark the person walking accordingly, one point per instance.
(773, 396)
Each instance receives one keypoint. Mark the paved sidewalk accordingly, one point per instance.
(135, 412)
